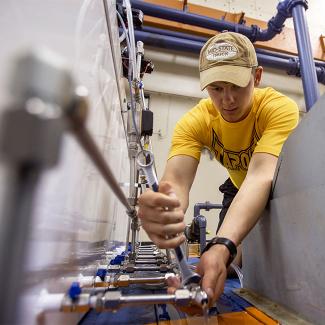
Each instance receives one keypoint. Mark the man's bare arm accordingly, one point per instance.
(251, 199)
(180, 172)
(241, 217)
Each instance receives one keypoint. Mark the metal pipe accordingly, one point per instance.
(150, 268)
(113, 300)
(291, 66)
(285, 8)
(147, 256)
(205, 206)
(149, 280)
(203, 227)
(31, 132)
(145, 32)
(123, 280)
(15, 227)
(147, 299)
(134, 228)
(308, 71)
(286, 56)
(127, 240)
(254, 33)
(148, 261)
(166, 32)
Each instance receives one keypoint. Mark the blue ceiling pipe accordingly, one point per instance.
(291, 65)
(286, 9)
(195, 38)
(168, 32)
(253, 32)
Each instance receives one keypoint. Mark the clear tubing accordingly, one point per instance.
(239, 273)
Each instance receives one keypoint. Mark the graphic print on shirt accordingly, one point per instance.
(234, 160)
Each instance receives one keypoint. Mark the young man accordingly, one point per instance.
(245, 127)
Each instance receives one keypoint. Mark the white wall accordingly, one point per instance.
(174, 89)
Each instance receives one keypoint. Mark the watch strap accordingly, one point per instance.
(223, 241)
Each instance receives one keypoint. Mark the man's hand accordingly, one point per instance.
(212, 268)
(162, 217)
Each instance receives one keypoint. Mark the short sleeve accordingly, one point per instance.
(279, 116)
(190, 133)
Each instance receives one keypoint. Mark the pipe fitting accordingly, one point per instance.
(274, 25)
(132, 213)
(135, 224)
(81, 304)
(199, 296)
(285, 7)
(295, 67)
(112, 300)
(182, 297)
(255, 33)
(321, 74)
(205, 206)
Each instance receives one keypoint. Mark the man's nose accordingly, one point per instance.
(228, 96)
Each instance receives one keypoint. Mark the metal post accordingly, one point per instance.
(202, 222)
(31, 132)
(308, 71)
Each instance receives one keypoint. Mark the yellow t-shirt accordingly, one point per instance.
(272, 117)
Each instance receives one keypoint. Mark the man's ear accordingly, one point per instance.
(258, 76)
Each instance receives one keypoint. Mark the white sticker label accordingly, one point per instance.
(221, 51)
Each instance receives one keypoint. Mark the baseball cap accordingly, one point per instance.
(227, 57)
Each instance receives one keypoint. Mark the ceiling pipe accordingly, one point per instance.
(253, 32)
(285, 9)
(291, 64)
(195, 38)
(168, 32)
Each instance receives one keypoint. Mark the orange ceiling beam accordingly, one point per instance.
(284, 42)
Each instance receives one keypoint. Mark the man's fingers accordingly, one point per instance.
(164, 231)
(213, 275)
(160, 216)
(157, 199)
(173, 283)
(162, 242)
(213, 284)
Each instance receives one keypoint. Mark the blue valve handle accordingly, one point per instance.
(189, 277)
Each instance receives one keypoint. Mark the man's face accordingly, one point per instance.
(233, 102)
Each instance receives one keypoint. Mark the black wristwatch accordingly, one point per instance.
(223, 241)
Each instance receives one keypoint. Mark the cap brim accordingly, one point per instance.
(237, 75)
